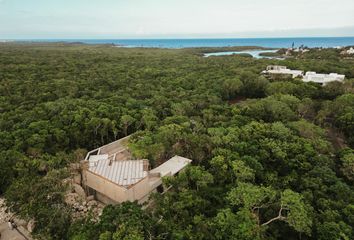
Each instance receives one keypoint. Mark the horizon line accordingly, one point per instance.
(165, 38)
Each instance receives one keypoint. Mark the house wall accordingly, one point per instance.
(109, 192)
(115, 146)
(105, 187)
(122, 155)
(104, 199)
(139, 190)
(112, 147)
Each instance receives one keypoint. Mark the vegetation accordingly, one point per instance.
(276, 165)
(271, 54)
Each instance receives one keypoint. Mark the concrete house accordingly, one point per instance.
(113, 176)
(282, 70)
(323, 79)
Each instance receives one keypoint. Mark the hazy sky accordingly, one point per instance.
(174, 18)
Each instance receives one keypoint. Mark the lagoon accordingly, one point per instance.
(254, 53)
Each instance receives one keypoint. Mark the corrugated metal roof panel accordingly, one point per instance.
(124, 173)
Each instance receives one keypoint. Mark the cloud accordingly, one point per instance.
(154, 18)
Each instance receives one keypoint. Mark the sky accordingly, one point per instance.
(75, 19)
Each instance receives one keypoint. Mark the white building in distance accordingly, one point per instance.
(350, 51)
(282, 70)
(322, 79)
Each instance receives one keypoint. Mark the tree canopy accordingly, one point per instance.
(272, 159)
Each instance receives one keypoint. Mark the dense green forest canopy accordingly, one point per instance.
(271, 159)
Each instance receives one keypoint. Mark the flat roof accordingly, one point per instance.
(123, 173)
(284, 71)
(172, 166)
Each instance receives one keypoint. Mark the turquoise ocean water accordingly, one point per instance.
(222, 42)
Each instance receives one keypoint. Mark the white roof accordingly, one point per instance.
(172, 166)
(124, 173)
(285, 71)
(322, 78)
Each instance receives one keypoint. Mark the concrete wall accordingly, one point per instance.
(139, 190)
(105, 187)
(104, 199)
(116, 146)
(110, 148)
(123, 155)
(108, 191)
